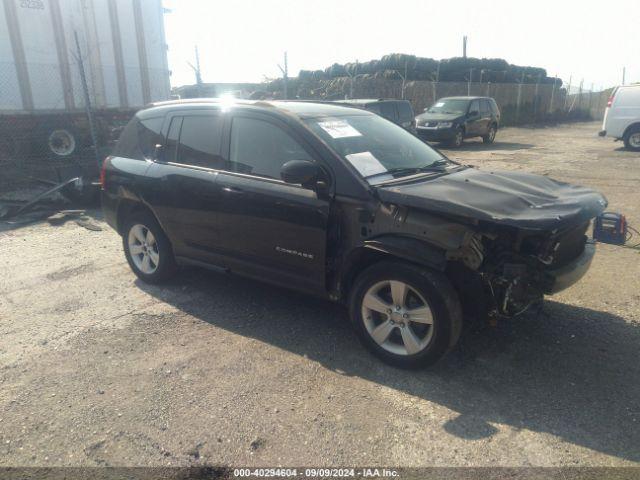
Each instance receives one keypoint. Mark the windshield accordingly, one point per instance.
(378, 149)
(448, 105)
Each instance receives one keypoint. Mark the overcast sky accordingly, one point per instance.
(244, 40)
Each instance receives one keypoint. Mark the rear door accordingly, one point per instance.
(184, 176)
(485, 116)
(269, 228)
(474, 120)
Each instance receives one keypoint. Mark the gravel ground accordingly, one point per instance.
(97, 368)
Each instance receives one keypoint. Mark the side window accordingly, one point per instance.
(374, 107)
(127, 145)
(494, 106)
(405, 111)
(389, 111)
(484, 107)
(475, 106)
(149, 135)
(261, 148)
(171, 145)
(199, 143)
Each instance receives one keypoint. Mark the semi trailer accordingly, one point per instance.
(47, 46)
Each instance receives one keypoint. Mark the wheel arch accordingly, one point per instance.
(630, 127)
(388, 247)
(127, 207)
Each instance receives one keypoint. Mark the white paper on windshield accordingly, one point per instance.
(366, 163)
(339, 129)
(439, 104)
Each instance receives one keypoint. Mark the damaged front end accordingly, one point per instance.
(509, 237)
(520, 267)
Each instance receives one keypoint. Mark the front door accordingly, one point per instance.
(267, 227)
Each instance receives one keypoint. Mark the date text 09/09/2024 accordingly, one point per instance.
(316, 472)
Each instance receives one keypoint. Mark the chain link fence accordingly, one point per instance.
(519, 103)
(47, 132)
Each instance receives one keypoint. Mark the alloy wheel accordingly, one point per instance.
(143, 249)
(397, 317)
(458, 140)
(634, 140)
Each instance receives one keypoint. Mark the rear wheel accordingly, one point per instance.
(491, 135)
(407, 316)
(632, 138)
(147, 248)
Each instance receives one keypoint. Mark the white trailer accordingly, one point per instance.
(124, 53)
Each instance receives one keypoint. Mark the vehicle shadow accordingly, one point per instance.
(564, 370)
(473, 145)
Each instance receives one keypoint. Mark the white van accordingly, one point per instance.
(622, 116)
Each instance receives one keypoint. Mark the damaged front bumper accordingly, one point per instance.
(567, 275)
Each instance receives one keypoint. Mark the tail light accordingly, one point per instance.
(103, 173)
(610, 101)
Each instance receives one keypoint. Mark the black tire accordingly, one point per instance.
(440, 297)
(56, 141)
(457, 140)
(491, 134)
(166, 266)
(630, 137)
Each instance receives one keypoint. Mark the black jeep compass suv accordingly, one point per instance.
(342, 203)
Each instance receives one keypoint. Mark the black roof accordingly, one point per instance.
(366, 101)
(464, 98)
(301, 109)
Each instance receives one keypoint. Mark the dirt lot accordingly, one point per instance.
(97, 368)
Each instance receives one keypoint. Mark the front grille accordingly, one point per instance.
(431, 124)
(570, 246)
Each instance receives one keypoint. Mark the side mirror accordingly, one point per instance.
(300, 172)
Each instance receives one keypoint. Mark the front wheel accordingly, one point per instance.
(632, 139)
(491, 135)
(147, 249)
(406, 315)
(458, 138)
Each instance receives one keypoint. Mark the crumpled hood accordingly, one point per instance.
(516, 199)
(439, 117)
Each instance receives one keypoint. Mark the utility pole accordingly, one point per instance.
(197, 71)
(352, 78)
(469, 84)
(519, 97)
(464, 47)
(566, 97)
(553, 91)
(285, 75)
(435, 84)
(624, 74)
(403, 81)
(87, 100)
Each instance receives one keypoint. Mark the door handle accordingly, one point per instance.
(233, 190)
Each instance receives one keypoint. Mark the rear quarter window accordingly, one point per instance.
(139, 138)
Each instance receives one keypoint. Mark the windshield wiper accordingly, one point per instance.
(437, 166)
(395, 171)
